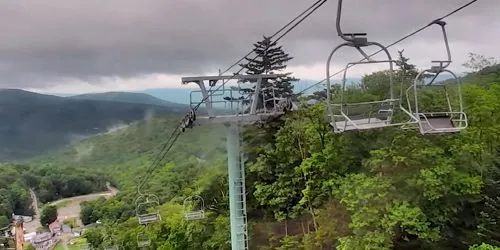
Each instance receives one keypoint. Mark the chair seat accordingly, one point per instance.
(361, 124)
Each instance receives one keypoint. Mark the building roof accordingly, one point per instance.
(42, 237)
(54, 225)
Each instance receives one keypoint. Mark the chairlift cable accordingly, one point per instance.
(396, 42)
(162, 154)
(277, 32)
(314, 7)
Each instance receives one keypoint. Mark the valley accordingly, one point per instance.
(32, 124)
(67, 208)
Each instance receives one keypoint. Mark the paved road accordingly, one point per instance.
(69, 210)
(35, 223)
(34, 204)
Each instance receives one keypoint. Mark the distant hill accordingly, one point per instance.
(32, 123)
(131, 147)
(128, 97)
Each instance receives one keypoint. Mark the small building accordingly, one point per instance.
(44, 240)
(55, 227)
(29, 236)
(41, 239)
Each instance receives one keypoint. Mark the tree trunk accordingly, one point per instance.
(313, 217)
(286, 227)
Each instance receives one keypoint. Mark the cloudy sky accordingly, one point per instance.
(71, 46)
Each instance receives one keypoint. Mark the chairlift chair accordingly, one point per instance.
(198, 212)
(143, 240)
(360, 115)
(451, 119)
(143, 202)
(110, 244)
(278, 104)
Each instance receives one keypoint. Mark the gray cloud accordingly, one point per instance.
(47, 40)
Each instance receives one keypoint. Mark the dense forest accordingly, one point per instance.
(309, 188)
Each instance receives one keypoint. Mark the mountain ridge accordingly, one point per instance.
(33, 123)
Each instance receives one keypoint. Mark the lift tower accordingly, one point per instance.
(19, 229)
(234, 106)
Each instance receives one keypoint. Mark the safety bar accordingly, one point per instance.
(445, 37)
(345, 36)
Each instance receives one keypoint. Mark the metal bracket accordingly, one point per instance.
(207, 94)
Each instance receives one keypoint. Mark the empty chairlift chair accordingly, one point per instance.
(346, 116)
(449, 117)
(109, 243)
(143, 203)
(143, 240)
(194, 208)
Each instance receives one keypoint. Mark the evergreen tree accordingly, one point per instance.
(271, 59)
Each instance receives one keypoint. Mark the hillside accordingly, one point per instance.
(137, 144)
(32, 123)
(129, 97)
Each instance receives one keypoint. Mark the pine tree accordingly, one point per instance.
(271, 59)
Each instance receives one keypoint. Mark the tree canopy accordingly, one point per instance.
(48, 215)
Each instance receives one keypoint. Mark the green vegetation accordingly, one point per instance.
(49, 182)
(270, 59)
(484, 246)
(48, 215)
(71, 222)
(32, 124)
(14, 195)
(307, 188)
(77, 245)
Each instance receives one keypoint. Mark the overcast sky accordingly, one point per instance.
(94, 45)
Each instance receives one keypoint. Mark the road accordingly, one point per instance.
(35, 223)
(70, 208)
(34, 204)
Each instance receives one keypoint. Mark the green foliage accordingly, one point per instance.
(48, 215)
(400, 189)
(383, 189)
(270, 59)
(484, 246)
(71, 222)
(33, 124)
(47, 181)
(29, 247)
(4, 221)
(14, 195)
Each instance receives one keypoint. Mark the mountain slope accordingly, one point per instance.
(127, 97)
(32, 123)
(140, 141)
(125, 154)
